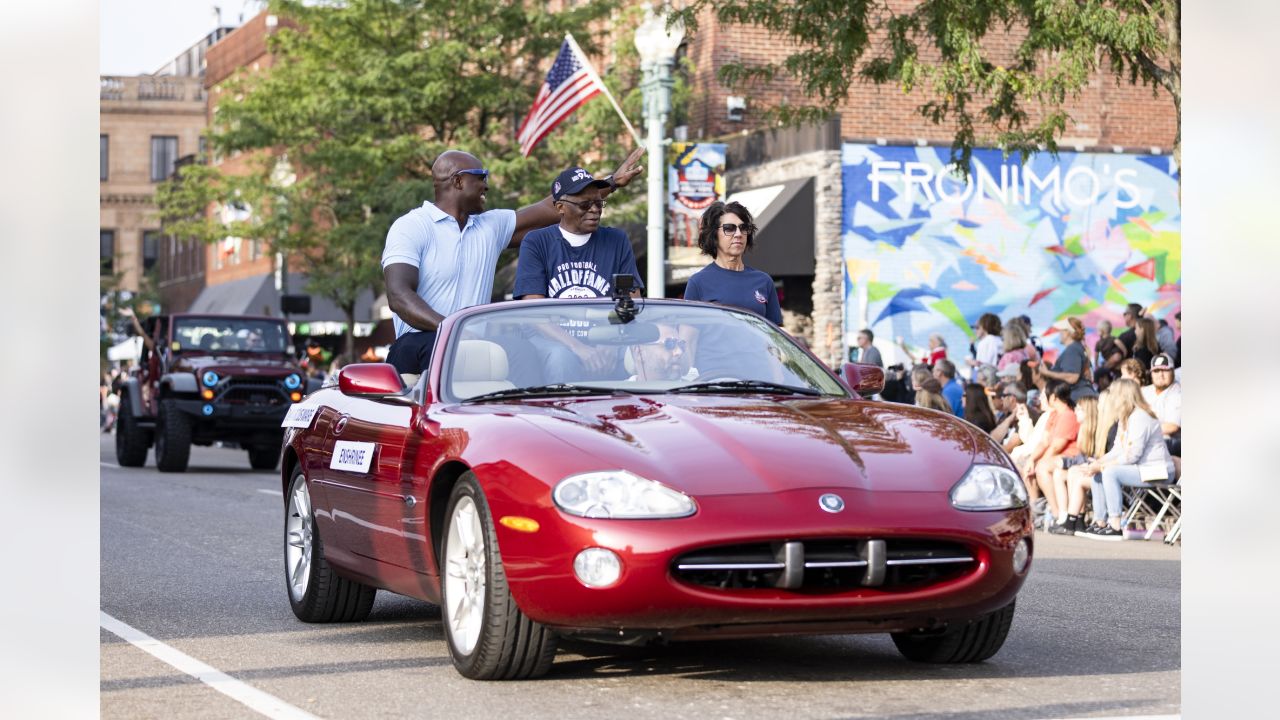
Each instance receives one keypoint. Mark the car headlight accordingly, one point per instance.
(210, 378)
(619, 494)
(293, 381)
(989, 487)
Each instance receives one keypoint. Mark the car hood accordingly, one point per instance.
(237, 364)
(717, 445)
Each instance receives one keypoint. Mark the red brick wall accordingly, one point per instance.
(1105, 114)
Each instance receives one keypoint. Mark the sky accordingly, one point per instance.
(137, 37)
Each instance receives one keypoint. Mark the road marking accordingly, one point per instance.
(277, 493)
(104, 463)
(253, 698)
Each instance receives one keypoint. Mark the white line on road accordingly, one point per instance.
(255, 699)
(110, 465)
(277, 493)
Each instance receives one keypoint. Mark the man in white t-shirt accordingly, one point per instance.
(1164, 395)
(440, 257)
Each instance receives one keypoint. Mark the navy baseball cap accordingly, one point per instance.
(573, 181)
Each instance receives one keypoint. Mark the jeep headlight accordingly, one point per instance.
(621, 495)
(210, 378)
(989, 487)
(293, 381)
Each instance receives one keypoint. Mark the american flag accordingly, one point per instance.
(570, 83)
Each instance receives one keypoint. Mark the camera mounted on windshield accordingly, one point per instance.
(624, 306)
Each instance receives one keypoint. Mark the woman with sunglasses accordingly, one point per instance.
(726, 234)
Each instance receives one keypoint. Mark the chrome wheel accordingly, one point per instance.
(298, 535)
(465, 583)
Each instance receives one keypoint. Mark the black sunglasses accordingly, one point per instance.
(673, 343)
(478, 172)
(730, 228)
(585, 205)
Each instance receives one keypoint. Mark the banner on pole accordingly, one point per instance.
(695, 179)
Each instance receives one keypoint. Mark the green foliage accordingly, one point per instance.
(363, 95)
(951, 50)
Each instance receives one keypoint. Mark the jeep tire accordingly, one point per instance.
(264, 457)
(173, 438)
(131, 441)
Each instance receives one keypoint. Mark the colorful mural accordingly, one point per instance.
(1079, 235)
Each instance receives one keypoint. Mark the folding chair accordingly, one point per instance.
(1166, 497)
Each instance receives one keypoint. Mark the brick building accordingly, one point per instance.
(146, 124)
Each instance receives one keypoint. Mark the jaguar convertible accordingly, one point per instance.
(646, 473)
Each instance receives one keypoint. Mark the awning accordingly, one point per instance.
(784, 239)
(257, 295)
(784, 218)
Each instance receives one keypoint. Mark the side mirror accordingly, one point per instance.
(866, 380)
(371, 380)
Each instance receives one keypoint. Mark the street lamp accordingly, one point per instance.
(657, 46)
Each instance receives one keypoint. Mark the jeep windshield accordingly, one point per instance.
(229, 334)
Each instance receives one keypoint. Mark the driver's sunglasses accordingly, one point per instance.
(673, 343)
(731, 229)
(585, 205)
(478, 172)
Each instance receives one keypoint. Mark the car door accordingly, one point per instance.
(371, 515)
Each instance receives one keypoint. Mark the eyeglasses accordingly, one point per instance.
(478, 172)
(585, 205)
(673, 343)
(731, 229)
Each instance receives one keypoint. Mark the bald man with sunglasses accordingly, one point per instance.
(441, 257)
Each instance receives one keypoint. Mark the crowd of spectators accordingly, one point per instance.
(1081, 424)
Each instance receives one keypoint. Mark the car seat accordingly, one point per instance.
(479, 367)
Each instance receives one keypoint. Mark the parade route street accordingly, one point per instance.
(194, 562)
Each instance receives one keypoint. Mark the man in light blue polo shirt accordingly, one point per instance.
(441, 257)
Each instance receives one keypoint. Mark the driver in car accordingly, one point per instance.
(666, 358)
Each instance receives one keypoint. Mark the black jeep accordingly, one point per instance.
(208, 378)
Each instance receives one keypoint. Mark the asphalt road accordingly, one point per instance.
(194, 561)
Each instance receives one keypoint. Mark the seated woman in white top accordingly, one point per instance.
(1139, 456)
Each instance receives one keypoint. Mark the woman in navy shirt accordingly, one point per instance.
(726, 234)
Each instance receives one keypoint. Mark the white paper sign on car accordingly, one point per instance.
(299, 416)
(352, 456)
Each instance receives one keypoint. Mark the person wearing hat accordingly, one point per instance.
(576, 258)
(1072, 364)
(1164, 395)
(441, 257)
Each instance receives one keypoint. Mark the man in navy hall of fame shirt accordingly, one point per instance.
(575, 259)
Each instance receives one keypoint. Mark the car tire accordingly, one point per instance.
(131, 441)
(501, 643)
(264, 457)
(173, 438)
(967, 642)
(316, 593)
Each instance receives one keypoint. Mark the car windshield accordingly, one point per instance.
(566, 347)
(214, 334)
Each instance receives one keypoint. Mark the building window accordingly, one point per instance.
(150, 248)
(102, 157)
(107, 251)
(164, 151)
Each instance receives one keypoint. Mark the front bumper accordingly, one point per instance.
(234, 414)
(649, 597)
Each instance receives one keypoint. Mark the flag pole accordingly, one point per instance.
(586, 62)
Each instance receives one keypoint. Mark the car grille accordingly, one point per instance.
(245, 391)
(826, 565)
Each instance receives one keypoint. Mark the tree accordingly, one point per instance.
(361, 97)
(948, 49)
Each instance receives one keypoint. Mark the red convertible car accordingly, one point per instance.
(674, 471)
